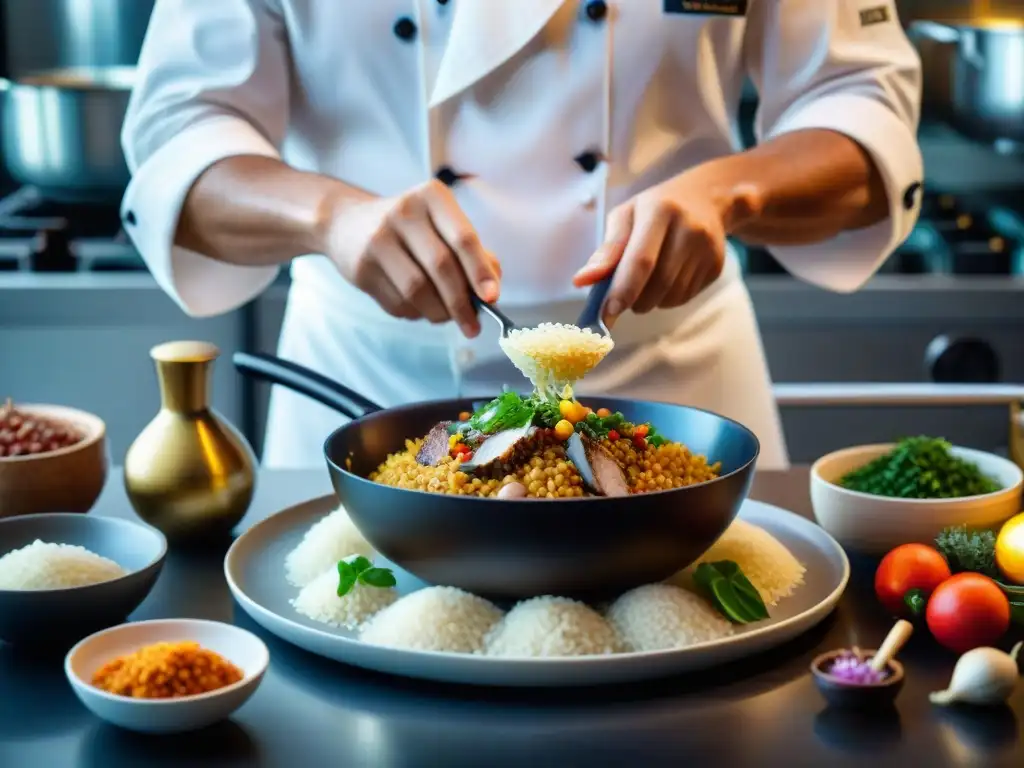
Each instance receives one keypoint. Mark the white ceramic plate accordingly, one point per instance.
(254, 568)
(240, 647)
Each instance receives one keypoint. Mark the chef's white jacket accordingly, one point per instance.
(542, 115)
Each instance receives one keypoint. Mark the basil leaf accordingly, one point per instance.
(728, 602)
(378, 577)
(750, 597)
(727, 568)
(360, 564)
(730, 591)
(1017, 613)
(346, 578)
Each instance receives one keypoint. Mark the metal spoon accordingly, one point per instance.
(591, 317)
(500, 317)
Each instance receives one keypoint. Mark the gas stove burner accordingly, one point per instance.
(39, 235)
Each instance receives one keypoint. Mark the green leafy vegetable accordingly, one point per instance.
(919, 468)
(360, 564)
(966, 550)
(347, 578)
(378, 577)
(507, 411)
(511, 410)
(730, 591)
(654, 437)
(362, 570)
(546, 413)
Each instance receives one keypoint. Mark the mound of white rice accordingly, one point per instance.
(319, 601)
(659, 617)
(434, 619)
(42, 565)
(552, 626)
(329, 540)
(764, 560)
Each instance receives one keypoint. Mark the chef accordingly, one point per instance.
(401, 154)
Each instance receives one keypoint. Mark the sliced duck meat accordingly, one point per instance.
(598, 469)
(435, 445)
(499, 450)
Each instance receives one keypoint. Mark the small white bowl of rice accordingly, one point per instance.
(64, 576)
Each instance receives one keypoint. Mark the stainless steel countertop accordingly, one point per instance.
(312, 713)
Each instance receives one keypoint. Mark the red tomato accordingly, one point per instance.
(909, 566)
(613, 435)
(639, 441)
(968, 611)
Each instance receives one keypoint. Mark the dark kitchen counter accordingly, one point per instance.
(312, 713)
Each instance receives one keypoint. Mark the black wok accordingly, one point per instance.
(508, 549)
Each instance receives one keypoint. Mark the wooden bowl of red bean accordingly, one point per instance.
(52, 459)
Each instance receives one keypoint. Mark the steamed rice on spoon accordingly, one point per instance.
(553, 355)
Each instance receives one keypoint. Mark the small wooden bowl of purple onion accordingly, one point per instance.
(845, 679)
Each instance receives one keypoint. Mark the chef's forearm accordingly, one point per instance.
(258, 211)
(801, 188)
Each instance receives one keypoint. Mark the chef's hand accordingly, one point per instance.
(667, 243)
(416, 254)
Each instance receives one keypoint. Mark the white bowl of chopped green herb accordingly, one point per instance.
(872, 498)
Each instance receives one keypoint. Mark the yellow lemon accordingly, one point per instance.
(1010, 549)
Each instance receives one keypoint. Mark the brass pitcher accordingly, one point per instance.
(189, 473)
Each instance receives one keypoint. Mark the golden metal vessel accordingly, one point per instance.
(189, 473)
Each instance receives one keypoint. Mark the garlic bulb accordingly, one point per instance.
(982, 676)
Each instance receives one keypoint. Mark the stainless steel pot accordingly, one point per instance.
(62, 131)
(987, 79)
(45, 34)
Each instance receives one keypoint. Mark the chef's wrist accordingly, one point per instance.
(733, 187)
(333, 200)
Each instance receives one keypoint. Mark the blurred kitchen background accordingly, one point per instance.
(79, 313)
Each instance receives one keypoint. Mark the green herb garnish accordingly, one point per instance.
(361, 570)
(507, 411)
(920, 468)
(654, 437)
(546, 413)
(966, 550)
(511, 410)
(724, 584)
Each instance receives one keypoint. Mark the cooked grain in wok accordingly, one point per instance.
(541, 443)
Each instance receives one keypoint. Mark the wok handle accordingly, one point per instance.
(300, 379)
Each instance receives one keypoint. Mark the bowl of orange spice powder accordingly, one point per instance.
(166, 676)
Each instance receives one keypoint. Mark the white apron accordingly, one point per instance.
(542, 115)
